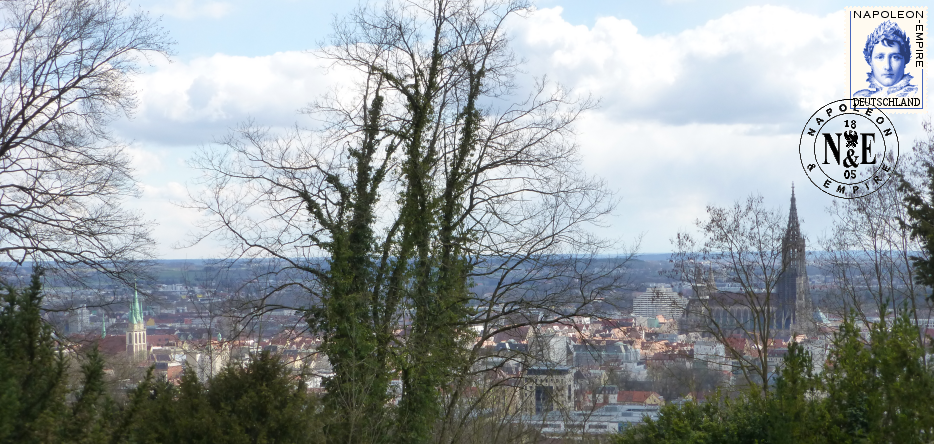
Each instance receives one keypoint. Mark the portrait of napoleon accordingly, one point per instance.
(887, 52)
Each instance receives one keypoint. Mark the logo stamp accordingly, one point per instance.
(848, 152)
(886, 58)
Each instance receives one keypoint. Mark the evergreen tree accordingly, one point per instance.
(34, 392)
(257, 403)
(93, 412)
(32, 372)
(879, 391)
(921, 222)
(875, 391)
(264, 402)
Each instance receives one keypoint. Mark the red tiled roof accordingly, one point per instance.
(633, 396)
(113, 345)
(160, 340)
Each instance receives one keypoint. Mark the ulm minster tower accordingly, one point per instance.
(794, 310)
(787, 307)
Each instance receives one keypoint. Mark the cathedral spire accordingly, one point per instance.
(793, 227)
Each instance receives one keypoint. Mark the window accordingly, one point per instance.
(544, 399)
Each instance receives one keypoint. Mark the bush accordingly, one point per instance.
(878, 391)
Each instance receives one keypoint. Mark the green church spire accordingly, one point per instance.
(136, 317)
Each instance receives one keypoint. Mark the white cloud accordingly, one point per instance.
(171, 190)
(707, 115)
(666, 174)
(757, 65)
(195, 102)
(144, 161)
(192, 9)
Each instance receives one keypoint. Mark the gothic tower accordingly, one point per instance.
(136, 334)
(793, 306)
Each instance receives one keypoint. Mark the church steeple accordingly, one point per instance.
(136, 335)
(794, 229)
(136, 317)
(792, 242)
(793, 304)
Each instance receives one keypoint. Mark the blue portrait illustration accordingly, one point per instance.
(888, 52)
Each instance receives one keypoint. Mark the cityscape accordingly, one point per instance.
(559, 372)
(465, 222)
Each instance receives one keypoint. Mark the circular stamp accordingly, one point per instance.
(848, 152)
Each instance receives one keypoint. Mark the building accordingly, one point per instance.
(611, 418)
(643, 398)
(659, 300)
(79, 320)
(547, 389)
(207, 357)
(549, 348)
(136, 346)
(794, 309)
(591, 355)
(787, 310)
(710, 355)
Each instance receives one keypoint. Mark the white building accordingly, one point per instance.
(612, 418)
(820, 351)
(549, 348)
(79, 320)
(711, 355)
(659, 300)
(207, 360)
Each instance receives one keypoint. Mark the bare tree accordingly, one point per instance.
(869, 252)
(65, 69)
(435, 175)
(743, 246)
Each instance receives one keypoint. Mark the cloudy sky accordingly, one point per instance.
(700, 104)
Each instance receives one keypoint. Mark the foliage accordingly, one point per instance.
(32, 385)
(878, 391)
(436, 170)
(34, 391)
(261, 402)
(918, 197)
(257, 403)
(922, 228)
(743, 244)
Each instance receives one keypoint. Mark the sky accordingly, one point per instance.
(700, 104)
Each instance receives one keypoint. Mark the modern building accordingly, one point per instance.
(659, 300)
(611, 418)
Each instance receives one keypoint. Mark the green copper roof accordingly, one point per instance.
(136, 316)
